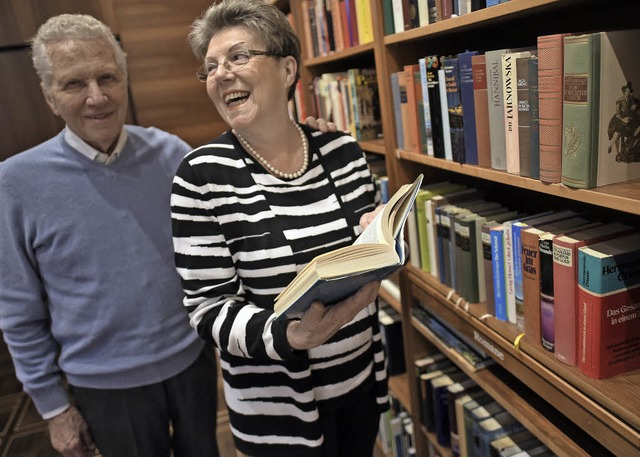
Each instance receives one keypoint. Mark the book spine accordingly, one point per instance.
(496, 112)
(433, 64)
(446, 131)
(609, 298)
(397, 109)
(510, 110)
(498, 268)
(534, 131)
(364, 21)
(516, 229)
(468, 107)
(550, 68)
(580, 110)
(545, 248)
(524, 115)
(565, 289)
(387, 14)
(426, 106)
(488, 270)
(531, 286)
(398, 16)
(454, 107)
(479, 70)
(509, 272)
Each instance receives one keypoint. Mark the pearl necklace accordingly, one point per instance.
(269, 167)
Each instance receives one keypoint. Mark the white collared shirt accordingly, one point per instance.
(92, 153)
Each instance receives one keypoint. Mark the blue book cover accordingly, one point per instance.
(499, 271)
(451, 68)
(397, 113)
(468, 107)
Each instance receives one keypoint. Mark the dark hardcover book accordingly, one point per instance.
(534, 131)
(391, 333)
(433, 84)
(424, 383)
(455, 391)
(524, 114)
(492, 428)
(454, 107)
(468, 106)
(438, 416)
(441, 405)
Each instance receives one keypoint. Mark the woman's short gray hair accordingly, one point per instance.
(70, 27)
(265, 20)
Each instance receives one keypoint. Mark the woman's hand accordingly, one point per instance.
(320, 124)
(367, 218)
(70, 434)
(320, 322)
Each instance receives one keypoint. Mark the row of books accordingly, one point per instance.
(401, 15)
(395, 434)
(555, 275)
(560, 111)
(350, 100)
(334, 25)
(466, 419)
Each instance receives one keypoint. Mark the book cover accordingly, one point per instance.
(423, 12)
(547, 299)
(440, 368)
(534, 113)
(368, 105)
(464, 405)
(336, 25)
(444, 115)
(423, 145)
(481, 106)
(468, 106)
(388, 16)
(364, 21)
(496, 108)
(398, 15)
(475, 416)
(440, 408)
(504, 443)
(407, 138)
(396, 96)
(433, 89)
(524, 114)
(565, 288)
(492, 428)
(413, 238)
(550, 70)
(498, 267)
(422, 63)
(451, 67)
(454, 392)
(510, 107)
(467, 232)
(391, 333)
(412, 129)
(335, 275)
(609, 299)
(601, 133)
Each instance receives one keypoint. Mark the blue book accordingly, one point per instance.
(499, 271)
(451, 68)
(397, 110)
(468, 107)
(490, 429)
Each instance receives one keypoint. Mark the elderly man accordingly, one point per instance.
(90, 302)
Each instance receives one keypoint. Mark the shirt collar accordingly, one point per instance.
(92, 153)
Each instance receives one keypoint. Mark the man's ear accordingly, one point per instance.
(49, 99)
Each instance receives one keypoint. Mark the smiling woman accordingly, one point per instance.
(249, 210)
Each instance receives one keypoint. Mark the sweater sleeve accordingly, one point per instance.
(24, 315)
(214, 292)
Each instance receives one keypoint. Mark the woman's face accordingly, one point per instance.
(251, 96)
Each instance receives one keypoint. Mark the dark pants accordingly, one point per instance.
(136, 422)
(351, 430)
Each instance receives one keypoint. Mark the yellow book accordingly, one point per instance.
(364, 20)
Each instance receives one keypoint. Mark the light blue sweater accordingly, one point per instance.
(87, 269)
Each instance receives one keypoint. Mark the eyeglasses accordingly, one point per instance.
(233, 62)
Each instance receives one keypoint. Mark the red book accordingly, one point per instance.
(479, 70)
(609, 307)
(550, 64)
(344, 22)
(412, 128)
(565, 284)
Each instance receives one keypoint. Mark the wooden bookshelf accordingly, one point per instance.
(572, 414)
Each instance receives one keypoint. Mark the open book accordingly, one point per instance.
(336, 275)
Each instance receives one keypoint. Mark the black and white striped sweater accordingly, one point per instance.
(240, 236)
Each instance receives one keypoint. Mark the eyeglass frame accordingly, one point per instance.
(203, 75)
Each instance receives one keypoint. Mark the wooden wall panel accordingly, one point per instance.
(20, 19)
(162, 68)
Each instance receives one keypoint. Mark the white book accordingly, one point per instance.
(446, 131)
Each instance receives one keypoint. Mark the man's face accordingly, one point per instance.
(88, 90)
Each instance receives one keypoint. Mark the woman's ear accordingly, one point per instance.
(290, 69)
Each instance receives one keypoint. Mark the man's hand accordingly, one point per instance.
(319, 322)
(320, 124)
(70, 434)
